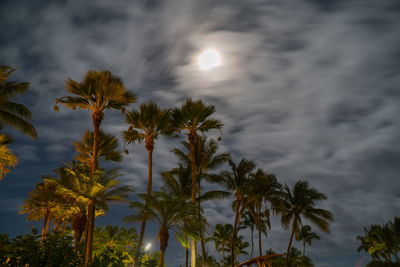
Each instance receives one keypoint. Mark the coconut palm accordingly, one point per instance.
(194, 117)
(169, 212)
(298, 203)
(306, 236)
(147, 125)
(221, 238)
(100, 188)
(12, 113)
(264, 188)
(99, 91)
(206, 160)
(41, 203)
(248, 220)
(238, 180)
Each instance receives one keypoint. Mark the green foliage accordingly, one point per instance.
(55, 250)
(382, 242)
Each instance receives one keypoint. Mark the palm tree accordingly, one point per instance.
(221, 237)
(300, 203)
(7, 158)
(193, 117)
(167, 211)
(99, 91)
(41, 203)
(146, 125)
(206, 161)
(264, 188)
(248, 220)
(100, 188)
(306, 235)
(11, 112)
(238, 180)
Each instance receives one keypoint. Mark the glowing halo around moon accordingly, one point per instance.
(209, 59)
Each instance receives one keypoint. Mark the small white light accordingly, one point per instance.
(148, 246)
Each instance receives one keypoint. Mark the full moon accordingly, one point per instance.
(209, 59)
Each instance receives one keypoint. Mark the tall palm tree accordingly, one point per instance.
(298, 203)
(167, 211)
(238, 180)
(306, 236)
(206, 160)
(264, 188)
(147, 125)
(221, 237)
(11, 112)
(193, 117)
(99, 91)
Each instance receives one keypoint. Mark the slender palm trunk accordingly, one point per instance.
(290, 244)
(191, 137)
(149, 147)
(97, 119)
(304, 251)
(186, 257)
(64, 226)
(259, 229)
(203, 249)
(163, 235)
(252, 243)
(58, 226)
(223, 253)
(237, 215)
(45, 223)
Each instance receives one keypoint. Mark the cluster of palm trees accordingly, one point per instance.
(82, 188)
(382, 242)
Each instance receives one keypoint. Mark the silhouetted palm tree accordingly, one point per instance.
(193, 117)
(99, 91)
(306, 236)
(221, 238)
(301, 203)
(146, 125)
(169, 212)
(238, 180)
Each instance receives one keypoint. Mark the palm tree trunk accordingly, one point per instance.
(191, 138)
(89, 235)
(163, 235)
(58, 226)
(45, 222)
(203, 249)
(237, 215)
(149, 148)
(290, 244)
(259, 229)
(223, 253)
(304, 251)
(97, 118)
(186, 257)
(252, 243)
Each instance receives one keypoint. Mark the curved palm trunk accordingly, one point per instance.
(163, 235)
(290, 244)
(237, 215)
(149, 148)
(46, 221)
(97, 119)
(304, 251)
(191, 138)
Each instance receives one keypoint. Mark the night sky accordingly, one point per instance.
(308, 89)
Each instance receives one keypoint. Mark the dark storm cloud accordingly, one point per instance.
(308, 89)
